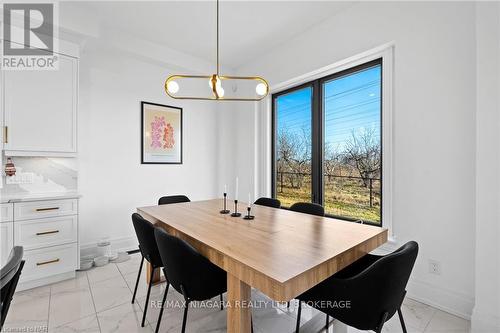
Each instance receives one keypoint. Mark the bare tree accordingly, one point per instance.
(303, 155)
(333, 160)
(286, 150)
(294, 155)
(363, 152)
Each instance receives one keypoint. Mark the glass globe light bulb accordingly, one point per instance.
(172, 87)
(261, 89)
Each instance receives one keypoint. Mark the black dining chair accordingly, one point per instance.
(374, 286)
(308, 208)
(189, 272)
(9, 277)
(172, 199)
(149, 251)
(269, 202)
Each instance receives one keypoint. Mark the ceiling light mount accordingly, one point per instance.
(253, 88)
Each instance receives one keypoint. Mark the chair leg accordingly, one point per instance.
(162, 307)
(297, 326)
(146, 305)
(138, 278)
(382, 322)
(403, 326)
(221, 302)
(185, 317)
(288, 305)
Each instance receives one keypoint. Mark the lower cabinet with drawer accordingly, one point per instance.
(47, 262)
(48, 232)
(34, 234)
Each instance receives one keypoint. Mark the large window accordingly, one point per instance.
(327, 143)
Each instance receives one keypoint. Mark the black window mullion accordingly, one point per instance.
(317, 146)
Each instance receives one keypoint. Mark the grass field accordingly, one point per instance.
(343, 197)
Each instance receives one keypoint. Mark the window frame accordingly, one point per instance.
(318, 130)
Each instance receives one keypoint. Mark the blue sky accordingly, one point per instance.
(351, 102)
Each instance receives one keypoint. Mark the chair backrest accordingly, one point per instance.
(145, 232)
(171, 199)
(380, 288)
(308, 208)
(9, 276)
(187, 270)
(269, 202)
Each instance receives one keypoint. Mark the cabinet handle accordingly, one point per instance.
(47, 232)
(47, 262)
(46, 209)
(6, 134)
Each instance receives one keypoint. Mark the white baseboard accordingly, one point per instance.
(450, 301)
(117, 244)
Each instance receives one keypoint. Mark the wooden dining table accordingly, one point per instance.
(281, 253)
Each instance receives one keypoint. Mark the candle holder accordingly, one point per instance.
(225, 210)
(236, 214)
(248, 216)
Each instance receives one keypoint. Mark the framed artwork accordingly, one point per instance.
(161, 134)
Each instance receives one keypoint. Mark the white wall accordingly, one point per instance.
(486, 317)
(111, 179)
(434, 131)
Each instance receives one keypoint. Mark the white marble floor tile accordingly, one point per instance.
(215, 322)
(70, 300)
(174, 301)
(110, 293)
(29, 310)
(273, 320)
(132, 265)
(445, 322)
(84, 325)
(124, 318)
(142, 288)
(172, 316)
(416, 316)
(70, 306)
(269, 316)
(102, 273)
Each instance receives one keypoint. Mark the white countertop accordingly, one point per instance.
(38, 196)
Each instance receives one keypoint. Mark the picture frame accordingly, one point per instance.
(161, 134)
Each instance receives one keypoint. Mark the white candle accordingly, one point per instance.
(225, 188)
(249, 200)
(236, 190)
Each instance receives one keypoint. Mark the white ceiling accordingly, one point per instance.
(248, 29)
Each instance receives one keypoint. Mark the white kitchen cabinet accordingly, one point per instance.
(40, 110)
(6, 212)
(6, 240)
(48, 232)
(6, 231)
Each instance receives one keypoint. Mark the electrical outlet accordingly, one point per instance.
(434, 267)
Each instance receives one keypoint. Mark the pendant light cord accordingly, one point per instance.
(217, 37)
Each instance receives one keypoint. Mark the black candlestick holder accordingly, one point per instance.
(225, 210)
(248, 216)
(236, 214)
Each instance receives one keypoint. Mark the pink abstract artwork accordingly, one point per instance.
(162, 131)
(168, 136)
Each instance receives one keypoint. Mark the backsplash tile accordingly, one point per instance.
(50, 175)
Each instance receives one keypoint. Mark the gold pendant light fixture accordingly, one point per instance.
(220, 87)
